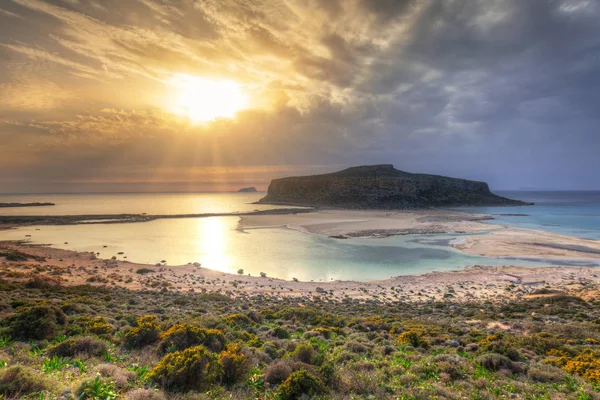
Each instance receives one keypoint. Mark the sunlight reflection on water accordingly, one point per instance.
(284, 253)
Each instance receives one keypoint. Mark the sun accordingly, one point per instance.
(203, 100)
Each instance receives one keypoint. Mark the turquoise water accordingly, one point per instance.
(283, 253)
(217, 243)
(565, 213)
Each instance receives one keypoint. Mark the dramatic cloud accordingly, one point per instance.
(498, 90)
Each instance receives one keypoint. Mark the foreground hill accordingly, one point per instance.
(110, 343)
(463, 338)
(381, 187)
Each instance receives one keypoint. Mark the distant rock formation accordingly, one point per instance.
(382, 187)
(25, 204)
(250, 189)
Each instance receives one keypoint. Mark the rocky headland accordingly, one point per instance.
(382, 187)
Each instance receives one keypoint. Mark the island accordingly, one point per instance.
(25, 204)
(250, 189)
(381, 187)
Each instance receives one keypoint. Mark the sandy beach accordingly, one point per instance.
(474, 283)
(362, 223)
(490, 240)
(482, 283)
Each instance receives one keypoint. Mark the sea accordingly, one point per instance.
(218, 243)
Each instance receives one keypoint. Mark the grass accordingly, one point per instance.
(115, 343)
(54, 364)
(97, 389)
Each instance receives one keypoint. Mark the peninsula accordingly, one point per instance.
(5, 205)
(382, 187)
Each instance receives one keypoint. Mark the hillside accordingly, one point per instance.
(382, 187)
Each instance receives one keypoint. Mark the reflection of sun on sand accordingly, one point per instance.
(490, 240)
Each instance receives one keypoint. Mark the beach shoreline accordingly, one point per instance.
(475, 283)
(76, 268)
(482, 239)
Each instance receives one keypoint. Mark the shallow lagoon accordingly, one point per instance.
(216, 243)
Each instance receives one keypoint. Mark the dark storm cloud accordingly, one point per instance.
(498, 90)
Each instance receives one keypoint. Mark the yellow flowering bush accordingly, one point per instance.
(146, 332)
(182, 336)
(195, 368)
(99, 326)
(233, 362)
(412, 337)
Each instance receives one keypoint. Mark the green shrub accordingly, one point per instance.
(145, 394)
(183, 336)
(494, 362)
(546, 374)
(195, 368)
(238, 319)
(87, 346)
(36, 323)
(300, 383)
(18, 381)
(146, 332)
(16, 255)
(143, 271)
(310, 316)
(280, 332)
(501, 347)
(303, 353)
(277, 372)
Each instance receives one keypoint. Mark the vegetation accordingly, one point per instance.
(101, 343)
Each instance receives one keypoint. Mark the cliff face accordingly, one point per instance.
(381, 187)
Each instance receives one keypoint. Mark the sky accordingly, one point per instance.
(92, 91)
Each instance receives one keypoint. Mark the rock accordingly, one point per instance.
(472, 347)
(381, 187)
(556, 319)
(250, 189)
